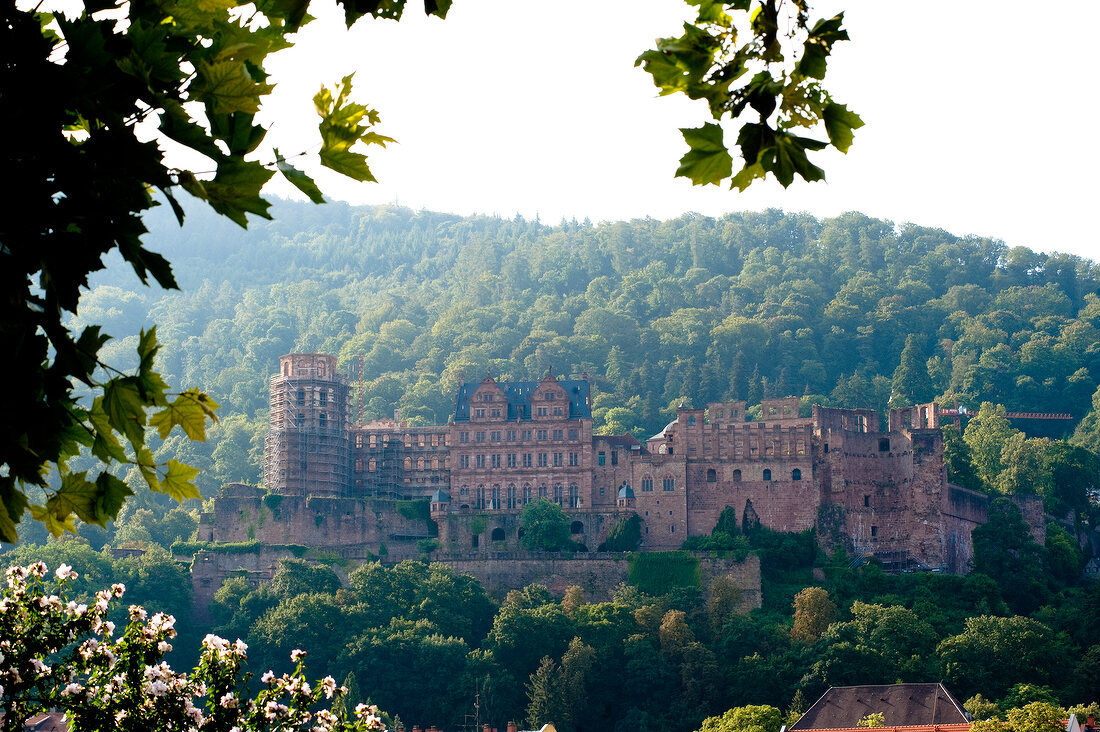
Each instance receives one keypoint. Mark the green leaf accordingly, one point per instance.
(77, 495)
(177, 125)
(55, 525)
(819, 44)
(839, 123)
(343, 124)
(790, 158)
(437, 8)
(125, 408)
(150, 383)
(189, 411)
(300, 180)
(227, 87)
(148, 468)
(235, 189)
(177, 481)
(112, 494)
(708, 160)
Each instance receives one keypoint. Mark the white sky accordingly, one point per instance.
(979, 115)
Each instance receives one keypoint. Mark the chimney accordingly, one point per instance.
(512, 727)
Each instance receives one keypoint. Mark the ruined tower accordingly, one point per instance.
(306, 449)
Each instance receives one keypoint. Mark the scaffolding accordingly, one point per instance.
(306, 448)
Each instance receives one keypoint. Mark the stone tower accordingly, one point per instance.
(306, 448)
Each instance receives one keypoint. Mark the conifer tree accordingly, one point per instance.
(911, 385)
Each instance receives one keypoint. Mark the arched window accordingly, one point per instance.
(511, 497)
(669, 484)
(796, 474)
(737, 476)
(526, 494)
(497, 535)
(408, 463)
(558, 494)
(767, 474)
(663, 449)
(496, 497)
(712, 475)
(691, 421)
(647, 484)
(542, 491)
(286, 369)
(576, 528)
(480, 496)
(574, 496)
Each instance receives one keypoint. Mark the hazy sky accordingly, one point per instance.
(979, 115)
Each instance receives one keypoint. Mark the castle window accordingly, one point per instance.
(874, 531)
(558, 459)
(796, 474)
(494, 437)
(574, 459)
(549, 396)
(480, 437)
(614, 457)
(712, 475)
(511, 496)
(463, 436)
(322, 397)
(286, 369)
(511, 460)
(558, 494)
(826, 448)
(767, 474)
(301, 397)
(647, 484)
(884, 444)
(511, 435)
(672, 529)
(496, 498)
(601, 490)
(691, 421)
(496, 461)
(542, 411)
(497, 535)
(408, 463)
(473, 541)
(867, 501)
(542, 434)
(526, 459)
(737, 476)
(464, 461)
(574, 435)
(481, 461)
(668, 484)
(322, 420)
(479, 413)
(359, 440)
(557, 434)
(494, 413)
(358, 465)
(526, 494)
(372, 466)
(601, 458)
(542, 459)
(557, 411)
(574, 496)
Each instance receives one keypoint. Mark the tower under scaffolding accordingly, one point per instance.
(306, 448)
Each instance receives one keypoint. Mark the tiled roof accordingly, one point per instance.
(518, 394)
(902, 705)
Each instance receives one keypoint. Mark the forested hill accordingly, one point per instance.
(743, 306)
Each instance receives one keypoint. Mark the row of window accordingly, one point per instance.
(712, 475)
(420, 440)
(668, 483)
(527, 459)
(496, 498)
(524, 435)
(420, 464)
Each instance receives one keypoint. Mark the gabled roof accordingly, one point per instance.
(901, 705)
(518, 395)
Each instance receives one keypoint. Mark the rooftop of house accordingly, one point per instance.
(901, 705)
(518, 395)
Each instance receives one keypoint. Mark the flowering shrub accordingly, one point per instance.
(58, 654)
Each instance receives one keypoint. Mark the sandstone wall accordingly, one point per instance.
(598, 574)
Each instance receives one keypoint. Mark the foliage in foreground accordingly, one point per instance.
(56, 653)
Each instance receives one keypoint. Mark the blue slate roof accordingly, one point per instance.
(518, 394)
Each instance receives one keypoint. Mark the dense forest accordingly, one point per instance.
(849, 311)
(701, 309)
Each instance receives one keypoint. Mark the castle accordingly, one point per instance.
(354, 487)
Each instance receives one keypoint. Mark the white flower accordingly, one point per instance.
(267, 677)
(297, 655)
(329, 685)
(241, 647)
(157, 688)
(65, 572)
(41, 667)
(73, 688)
(229, 701)
(137, 612)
